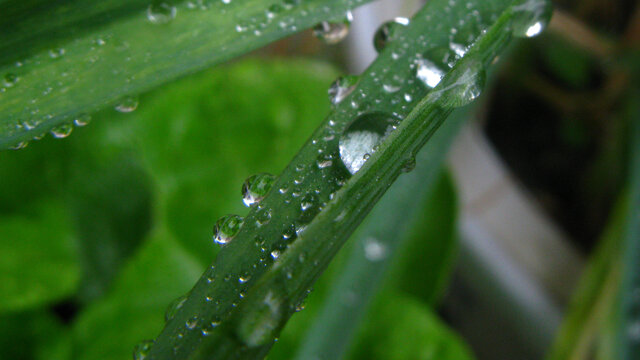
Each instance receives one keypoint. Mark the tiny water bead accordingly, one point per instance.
(256, 187)
(173, 307)
(56, 53)
(226, 228)
(332, 33)
(82, 120)
(341, 88)
(361, 138)
(62, 131)
(161, 13)
(386, 32)
(531, 17)
(20, 145)
(141, 350)
(127, 104)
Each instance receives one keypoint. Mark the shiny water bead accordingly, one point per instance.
(10, 79)
(434, 64)
(141, 350)
(82, 120)
(386, 31)
(161, 13)
(256, 187)
(341, 88)
(226, 228)
(20, 145)
(531, 17)
(374, 250)
(173, 307)
(331, 32)
(361, 138)
(127, 104)
(462, 86)
(62, 131)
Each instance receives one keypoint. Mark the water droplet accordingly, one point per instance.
(173, 307)
(333, 32)
(256, 187)
(263, 216)
(191, 323)
(531, 17)
(82, 120)
(341, 88)
(161, 13)
(62, 131)
(56, 53)
(433, 65)
(10, 79)
(127, 104)
(243, 279)
(275, 254)
(20, 145)
(141, 350)
(361, 137)
(463, 85)
(386, 32)
(409, 164)
(226, 229)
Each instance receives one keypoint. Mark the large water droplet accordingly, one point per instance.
(463, 85)
(333, 32)
(341, 88)
(531, 17)
(82, 120)
(386, 32)
(434, 64)
(141, 350)
(361, 137)
(173, 307)
(62, 131)
(226, 228)
(161, 13)
(127, 104)
(256, 187)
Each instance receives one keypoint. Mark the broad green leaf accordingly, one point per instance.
(412, 228)
(39, 263)
(261, 277)
(27, 335)
(402, 328)
(62, 60)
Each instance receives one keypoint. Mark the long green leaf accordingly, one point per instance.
(60, 60)
(239, 306)
(384, 231)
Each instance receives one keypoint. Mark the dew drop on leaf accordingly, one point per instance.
(433, 65)
(20, 145)
(141, 350)
(161, 13)
(127, 104)
(82, 120)
(361, 137)
(463, 85)
(256, 187)
(10, 79)
(332, 32)
(374, 250)
(173, 307)
(62, 131)
(385, 32)
(226, 228)
(531, 17)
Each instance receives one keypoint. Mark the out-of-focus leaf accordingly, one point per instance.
(62, 59)
(39, 263)
(401, 327)
(25, 335)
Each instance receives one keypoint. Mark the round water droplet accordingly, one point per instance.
(56, 53)
(361, 137)
(531, 17)
(386, 32)
(161, 13)
(226, 228)
(82, 120)
(10, 79)
(463, 85)
(191, 323)
(62, 131)
(333, 32)
(341, 88)
(127, 104)
(433, 65)
(256, 187)
(173, 307)
(263, 216)
(141, 350)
